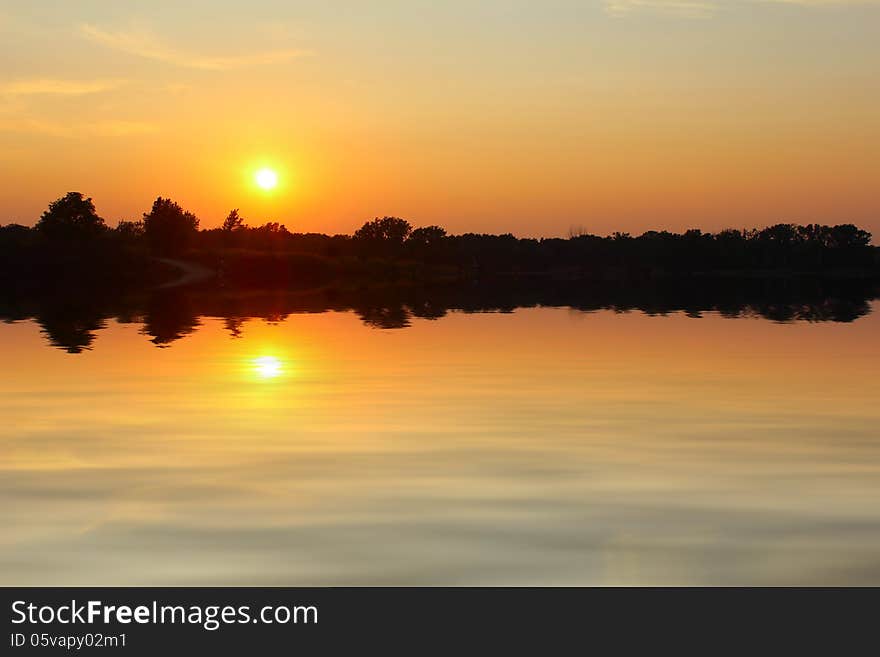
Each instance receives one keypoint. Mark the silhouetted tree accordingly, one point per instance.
(130, 229)
(271, 255)
(233, 221)
(273, 228)
(781, 234)
(71, 217)
(270, 236)
(385, 232)
(814, 233)
(168, 227)
(427, 236)
(847, 236)
(14, 236)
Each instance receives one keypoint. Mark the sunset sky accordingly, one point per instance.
(521, 116)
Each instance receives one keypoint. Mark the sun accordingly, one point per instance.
(266, 178)
(267, 367)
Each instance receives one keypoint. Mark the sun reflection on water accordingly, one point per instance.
(267, 367)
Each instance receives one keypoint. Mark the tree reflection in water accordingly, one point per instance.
(71, 320)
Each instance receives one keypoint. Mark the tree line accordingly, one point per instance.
(71, 224)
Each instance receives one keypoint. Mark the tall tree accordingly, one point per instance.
(384, 235)
(233, 221)
(427, 236)
(169, 228)
(71, 217)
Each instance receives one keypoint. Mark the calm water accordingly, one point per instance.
(541, 446)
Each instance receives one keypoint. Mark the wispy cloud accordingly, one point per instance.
(54, 87)
(827, 3)
(682, 7)
(144, 44)
(118, 128)
(107, 128)
(697, 8)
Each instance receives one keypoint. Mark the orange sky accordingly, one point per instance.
(480, 116)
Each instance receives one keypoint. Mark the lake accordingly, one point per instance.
(535, 446)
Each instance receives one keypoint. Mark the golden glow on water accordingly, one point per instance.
(543, 446)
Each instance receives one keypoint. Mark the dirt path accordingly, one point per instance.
(190, 273)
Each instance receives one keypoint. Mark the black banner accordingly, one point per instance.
(413, 620)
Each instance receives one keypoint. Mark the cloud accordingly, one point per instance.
(697, 8)
(144, 44)
(825, 3)
(107, 128)
(117, 128)
(57, 87)
(32, 126)
(682, 7)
